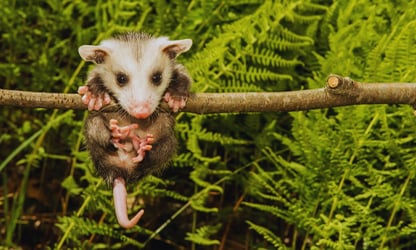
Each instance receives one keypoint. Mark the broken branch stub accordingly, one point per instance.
(345, 91)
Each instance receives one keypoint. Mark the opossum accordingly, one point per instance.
(137, 71)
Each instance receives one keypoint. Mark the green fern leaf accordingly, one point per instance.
(202, 235)
(270, 58)
(157, 187)
(89, 227)
(233, 85)
(277, 43)
(254, 74)
(267, 235)
(198, 201)
(271, 209)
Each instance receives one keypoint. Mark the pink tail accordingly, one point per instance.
(120, 200)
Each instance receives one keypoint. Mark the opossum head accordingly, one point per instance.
(135, 68)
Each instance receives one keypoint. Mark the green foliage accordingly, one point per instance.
(86, 227)
(268, 235)
(201, 236)
(340, 178)
(348, 181)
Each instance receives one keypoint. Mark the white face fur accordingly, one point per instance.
(136, 70)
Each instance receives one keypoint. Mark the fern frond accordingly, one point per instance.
(277, 43)
(268, 57)
(203, 234)
(286, 34)
(274, 210)
(258, 36)
(193, 146)
(156, 187)
(267, 235)
(278, 160)
(254, 74)
(327, 243)
(409, 230)
(89, 227)
(70, 184)
(399, 53)
(202, 134)
(198, 176)
(312, 7)
(198, 201)
(234, 85)
(302, 19)
(185, 160)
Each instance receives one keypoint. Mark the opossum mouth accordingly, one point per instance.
(120, 204)
(141, 115)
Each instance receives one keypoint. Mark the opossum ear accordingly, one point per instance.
(96, 54)
(176, 47)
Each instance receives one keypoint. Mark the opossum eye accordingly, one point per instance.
(157, 78)
(122, 79)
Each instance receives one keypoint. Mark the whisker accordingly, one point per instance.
(110, 107)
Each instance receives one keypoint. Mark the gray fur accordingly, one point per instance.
(160, 123)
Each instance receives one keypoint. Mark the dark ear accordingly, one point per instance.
(96, 54)
(176, 47)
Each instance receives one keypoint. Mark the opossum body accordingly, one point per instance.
(127, 147)
(138, 71)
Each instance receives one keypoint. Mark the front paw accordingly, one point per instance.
(175, 102)
(94, 102)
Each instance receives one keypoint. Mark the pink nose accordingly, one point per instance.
(140, 111)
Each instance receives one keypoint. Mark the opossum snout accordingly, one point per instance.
(140, 110)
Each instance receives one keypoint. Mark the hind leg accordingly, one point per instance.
(126, 139)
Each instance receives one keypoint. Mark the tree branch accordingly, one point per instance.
(339, 91)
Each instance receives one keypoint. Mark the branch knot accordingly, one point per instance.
(344, 86)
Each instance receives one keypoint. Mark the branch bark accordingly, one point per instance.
(339, 91)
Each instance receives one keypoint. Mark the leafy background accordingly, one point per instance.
(339, 178)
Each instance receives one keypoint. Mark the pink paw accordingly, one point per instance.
(175, 102)
(126, 139)
(144, 144)
(94, 102)
(123, 133)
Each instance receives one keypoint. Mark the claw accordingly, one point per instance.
(82, 90)
(120, 204)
